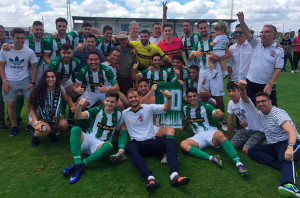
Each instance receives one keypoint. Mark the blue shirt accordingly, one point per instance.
(6, 41)
(82, 56)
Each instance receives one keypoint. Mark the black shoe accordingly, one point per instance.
(35, 141)
(152, 185)
(30, 128)
(52, 137)
(3, 126)
(14, 131)
(179, 181)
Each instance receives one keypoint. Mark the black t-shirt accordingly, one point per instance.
(286, 45)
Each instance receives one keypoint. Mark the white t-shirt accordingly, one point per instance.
(140, 123)
(246, 112)
(264, 61)
(16, 63)
(156, 40)
(221, 41)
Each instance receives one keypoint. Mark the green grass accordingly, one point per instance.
(37, 172)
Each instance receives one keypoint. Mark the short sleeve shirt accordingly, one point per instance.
(140, 123)
(17, 62)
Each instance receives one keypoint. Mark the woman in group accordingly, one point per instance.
(45, 101)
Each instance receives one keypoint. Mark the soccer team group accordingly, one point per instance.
(124, 73)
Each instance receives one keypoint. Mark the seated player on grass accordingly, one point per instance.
(96, 141)
(45, 101)
(199, 115)
(241, 106)
(138, 120)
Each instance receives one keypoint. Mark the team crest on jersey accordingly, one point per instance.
(141, 118)
(272, 53)
(114, 118)
(100, 75)
(198, 111)
(160, 74)
(149, 50)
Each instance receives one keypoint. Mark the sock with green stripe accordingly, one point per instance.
(170, 136)
(75, 143)
(230, 150)
(122, 139)
(19, 106)
(103, 151)
(223, 110)
(195, 152)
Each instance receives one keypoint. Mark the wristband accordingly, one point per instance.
(32, 83)
(291, 143)
(169, 98)
(36, 122)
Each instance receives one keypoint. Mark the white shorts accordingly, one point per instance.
(93, 97)
(204, 138)
(67, 83)
(216, 86)
(90, 144)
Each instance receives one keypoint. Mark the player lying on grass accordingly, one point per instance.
(199, 115)
(95, 142)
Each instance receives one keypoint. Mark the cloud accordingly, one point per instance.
(257, 12)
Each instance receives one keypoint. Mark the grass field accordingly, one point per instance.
(37, 172)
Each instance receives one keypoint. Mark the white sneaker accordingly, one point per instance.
(223, 125)
(225, 74)
(214, 74)
(292, 71)
(296, 71)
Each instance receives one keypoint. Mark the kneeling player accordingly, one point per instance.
(94, 142)
(199, 115)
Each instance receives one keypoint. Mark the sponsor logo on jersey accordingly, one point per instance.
(105, 127)
(39, 54)
(196, 120)
(65, 75)
(156, 81)
(95, 84)
(172, 52)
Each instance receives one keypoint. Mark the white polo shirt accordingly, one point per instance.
(240, 60)
(264, 61)
(140, 123)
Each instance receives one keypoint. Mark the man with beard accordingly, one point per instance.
(145, 50)
(113, 61)
(90, 46)
(105, 43)
(202, 51)
(81, 35)
(100, 79)
(52, 47)
(157, 75)
(189, 40)
(138, 120)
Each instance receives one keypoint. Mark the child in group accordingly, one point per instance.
(219, 43)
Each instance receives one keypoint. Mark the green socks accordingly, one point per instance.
(103, 151)
(170, 136)
(122, 139)
(19, 106)
(195, 152)
(75, 143)
(230, 150)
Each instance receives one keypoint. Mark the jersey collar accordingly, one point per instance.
(141, 107)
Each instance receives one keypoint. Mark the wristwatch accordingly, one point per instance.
(32, 83)
(36, 122)
(291, 143)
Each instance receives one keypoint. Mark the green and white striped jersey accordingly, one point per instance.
(76, 39)
(94, 79)
(183, 73)
(155, 77)
(188, 44)
(189, 83)
(105, 47)
(206, 50)
(102, 124)
(200, 118)
(53, 45)
(37, 47)
(65, 70)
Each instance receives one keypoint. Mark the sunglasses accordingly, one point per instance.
(236, 32)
